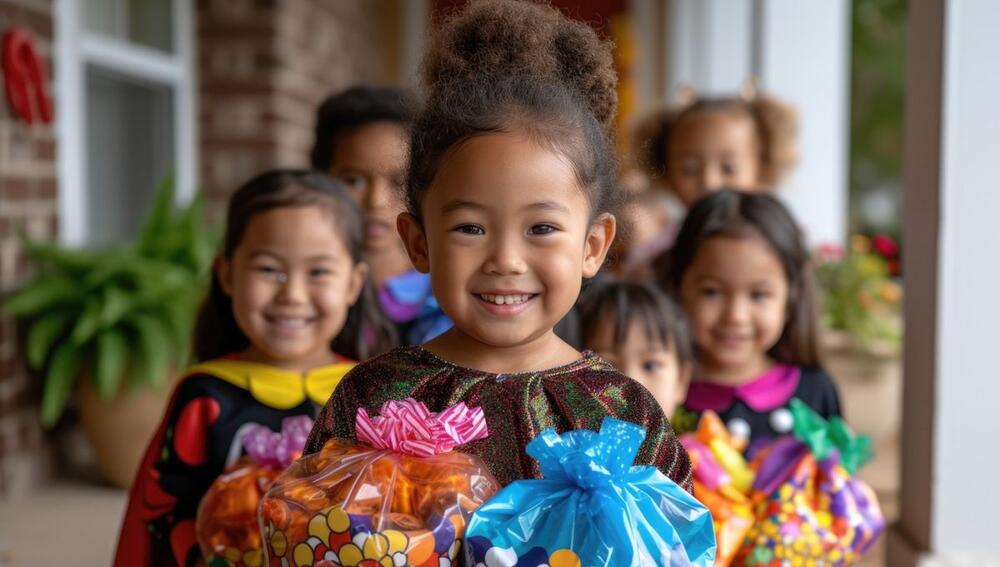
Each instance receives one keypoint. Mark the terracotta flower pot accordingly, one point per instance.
(869, 378)
(120, 428)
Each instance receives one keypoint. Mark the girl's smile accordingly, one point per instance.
(506, 303)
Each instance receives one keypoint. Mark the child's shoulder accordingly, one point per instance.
(398, 358)
(818, 390)
(814, 377)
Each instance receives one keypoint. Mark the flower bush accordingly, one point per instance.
(860, 293)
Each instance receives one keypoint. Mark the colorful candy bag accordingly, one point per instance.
(810, 507)
(398, 497)
(722, 480)
(226, 524)
(592, 508)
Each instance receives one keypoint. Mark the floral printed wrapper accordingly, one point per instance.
(810, 508)
(593, 507)
(226, 525)
(399, 497)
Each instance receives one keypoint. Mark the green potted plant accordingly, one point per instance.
(115, 322)
(862, 330)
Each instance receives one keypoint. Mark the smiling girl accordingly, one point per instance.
(288, 309)
(741, 271)
(509, 201)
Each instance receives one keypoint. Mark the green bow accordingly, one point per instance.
(822, 436)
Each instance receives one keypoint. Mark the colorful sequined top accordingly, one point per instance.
(211, 407)
(517, 406)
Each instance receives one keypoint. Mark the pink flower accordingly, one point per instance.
(830, 252)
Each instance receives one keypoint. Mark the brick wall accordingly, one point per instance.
(264, 67)
(27, 202)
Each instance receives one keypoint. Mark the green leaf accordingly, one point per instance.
(153, 350)
(115, 304)
(43, 334)
(158, 219)
(42, 294)
(109, 361)
(59, 382)
(62, 258)
(89, 321)
(107, 268)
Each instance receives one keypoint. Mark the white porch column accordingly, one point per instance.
(951, 211)
(799, 51)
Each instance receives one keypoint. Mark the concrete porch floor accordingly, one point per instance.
(67, 522)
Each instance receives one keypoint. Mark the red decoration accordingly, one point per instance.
(885, 246)
(182, 538)
(24, 77)
(190, 435)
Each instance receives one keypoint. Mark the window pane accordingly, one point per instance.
(146, 22)
(129, 151)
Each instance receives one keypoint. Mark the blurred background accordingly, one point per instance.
(205, 93)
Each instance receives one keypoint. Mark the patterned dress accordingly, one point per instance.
(517, 406)
(200, 435)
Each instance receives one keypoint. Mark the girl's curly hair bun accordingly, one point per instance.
(515, 37)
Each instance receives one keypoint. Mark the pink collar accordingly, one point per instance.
(768, 391)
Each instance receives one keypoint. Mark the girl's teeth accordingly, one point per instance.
(504, 299)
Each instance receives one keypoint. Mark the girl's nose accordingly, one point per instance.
(737, 310)
(505, 259)
(711, 179)
(292, 289)
(379, 195)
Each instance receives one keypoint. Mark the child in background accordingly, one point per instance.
(650, 228)
(745, 143)
(287, 311)
(509, 196)
(741, 271)
(362, 139)
(643, 333)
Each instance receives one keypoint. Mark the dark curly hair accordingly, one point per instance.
(735, 214)
(355, 107)
(366, 331)
(775, 125)
(509, 65)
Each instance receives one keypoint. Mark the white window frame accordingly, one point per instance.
(76, 47)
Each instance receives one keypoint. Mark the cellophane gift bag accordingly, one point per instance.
(226, 524)
(398, 497)
(722, 481)
(810, 508)
(593, 507)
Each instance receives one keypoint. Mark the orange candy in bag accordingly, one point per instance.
(398, 497)
(226, 525)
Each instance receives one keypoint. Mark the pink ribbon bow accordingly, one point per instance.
(406, 426)
(271, 449)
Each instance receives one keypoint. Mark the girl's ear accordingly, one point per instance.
(224, 271)
(415, 241)
(599, 239)
(357, 284)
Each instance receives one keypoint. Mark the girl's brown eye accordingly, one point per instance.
(470, 229)
(540, 229)
(355, 182)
